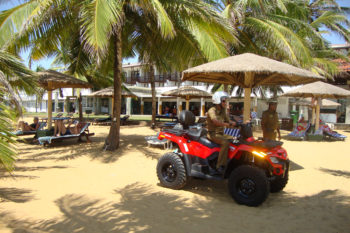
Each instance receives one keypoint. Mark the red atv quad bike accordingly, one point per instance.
(254, 168)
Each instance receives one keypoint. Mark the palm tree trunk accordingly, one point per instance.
(112, 141)
(153, 88)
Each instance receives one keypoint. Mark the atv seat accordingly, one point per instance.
(206, 142)
(195, 133)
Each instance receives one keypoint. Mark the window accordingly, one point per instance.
(135, 73)
(104, 102)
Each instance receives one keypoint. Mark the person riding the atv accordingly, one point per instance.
(217, 120)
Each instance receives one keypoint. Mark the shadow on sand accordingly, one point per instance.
(71, 149)
(344, 174)
(15, 195)
(142, 209)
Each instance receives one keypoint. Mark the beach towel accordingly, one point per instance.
(299, 131)
(327, 131)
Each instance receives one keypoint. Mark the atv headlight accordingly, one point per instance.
(274, 160)
(260, 154)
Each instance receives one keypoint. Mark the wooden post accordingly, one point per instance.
(187, 103)
(49, 107)
(142, 106)
(178, 105)
(202, 107)
(160, 107)
(318, 106)
(248, 81)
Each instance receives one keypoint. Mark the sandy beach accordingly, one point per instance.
(78, 187)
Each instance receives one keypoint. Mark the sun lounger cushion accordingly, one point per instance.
(49, 139)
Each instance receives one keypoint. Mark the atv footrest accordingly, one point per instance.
(204, 176)
(200, 168)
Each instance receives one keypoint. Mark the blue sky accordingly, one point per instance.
(333, 38)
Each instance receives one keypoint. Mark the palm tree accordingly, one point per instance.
(7, 116)
(288, 31)
(109, 30)
(13, 76)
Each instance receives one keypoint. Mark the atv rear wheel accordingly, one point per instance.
(171, 171)
(279, 182)
(248, 185)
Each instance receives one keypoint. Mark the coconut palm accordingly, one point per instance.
(288, 31)
(108, 29)
(7, 149)
(12, 75)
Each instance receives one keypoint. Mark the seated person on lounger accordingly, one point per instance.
(32, 127)
(60, 129)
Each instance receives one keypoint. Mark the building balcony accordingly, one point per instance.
(157, 78)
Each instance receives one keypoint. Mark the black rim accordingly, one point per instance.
(246, 187)
(169, 172)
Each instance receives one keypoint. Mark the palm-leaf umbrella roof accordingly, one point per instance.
(109, 92)
(249, 70)
(51, 80)
(231, 70)
(318, 90)
(324, 103)
(186, 92)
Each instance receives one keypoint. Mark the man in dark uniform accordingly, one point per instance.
(270, 123)
(217, 120)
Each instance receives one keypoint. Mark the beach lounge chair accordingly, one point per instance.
(299, 132)
(329, 134)
(232, 132)
(47, 140)
(124, 119)
(108, 120)
(154, 141)
(103, 121)
(31, 132)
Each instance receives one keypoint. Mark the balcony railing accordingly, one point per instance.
(157, 78)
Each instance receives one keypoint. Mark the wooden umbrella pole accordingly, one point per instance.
(318, 106)
(248, 79)
(49, 107)
(187, 103)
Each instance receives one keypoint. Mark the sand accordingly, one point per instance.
(77, 187)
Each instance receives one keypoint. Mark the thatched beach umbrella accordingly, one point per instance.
(187, 93)
(308, 102)
(249, 70)
(51, 80)
(318, 90)
(109, 92)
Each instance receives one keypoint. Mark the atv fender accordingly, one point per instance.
(188, 163)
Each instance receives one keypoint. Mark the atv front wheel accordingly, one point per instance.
(248, 185)
(279, 182)
(171, 171)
